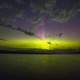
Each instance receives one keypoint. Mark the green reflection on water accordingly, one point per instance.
(40, 64)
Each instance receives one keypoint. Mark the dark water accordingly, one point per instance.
(39, 67)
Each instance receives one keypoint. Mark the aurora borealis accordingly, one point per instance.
(42, 26)
(40, 16)
(21, 20)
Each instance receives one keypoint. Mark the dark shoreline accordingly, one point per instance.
(38, 51)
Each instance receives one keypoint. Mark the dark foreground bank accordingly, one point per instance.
(38, 51)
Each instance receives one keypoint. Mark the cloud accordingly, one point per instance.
(63, 15)
(1, 39)
(55, 10)
(17, 29)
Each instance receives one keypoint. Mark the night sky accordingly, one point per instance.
(43, 18)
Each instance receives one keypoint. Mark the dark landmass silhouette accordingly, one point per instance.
(38, 51)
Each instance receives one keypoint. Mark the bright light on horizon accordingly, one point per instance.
(40, 43)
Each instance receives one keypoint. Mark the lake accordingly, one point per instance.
(33, 66)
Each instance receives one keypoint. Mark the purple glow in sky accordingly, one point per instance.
(43, 18)
(41, 30)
